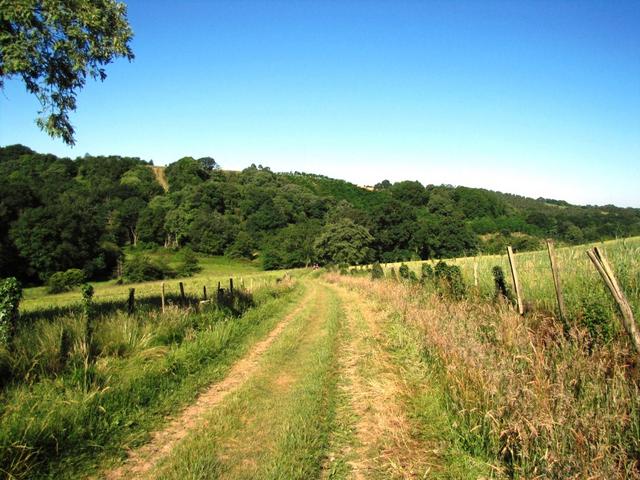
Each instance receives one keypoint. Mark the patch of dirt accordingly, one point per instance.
(162, 442)
(160, 177)
(284, 380)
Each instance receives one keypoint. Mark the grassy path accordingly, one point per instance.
(335, 391)
(375, 438)
(162, 442)
(277, 424)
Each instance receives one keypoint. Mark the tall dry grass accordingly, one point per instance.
(539, 404)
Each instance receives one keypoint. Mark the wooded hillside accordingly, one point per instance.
(59, 213)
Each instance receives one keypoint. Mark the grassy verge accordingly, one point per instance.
(583, 288)
(427, 407)
(69, 424)
(398, 425)
(277, 425)
(519, 395)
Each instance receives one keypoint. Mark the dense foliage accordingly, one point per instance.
(58, 214)
(54, 45)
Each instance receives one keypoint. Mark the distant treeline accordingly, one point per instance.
(58, 213)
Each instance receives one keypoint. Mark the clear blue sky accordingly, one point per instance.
(537, 98)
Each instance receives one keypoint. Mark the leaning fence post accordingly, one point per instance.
(131, 301)
(204, 292)
(162, 296)
(182, 299)
(557, 285)
(629, 323)
(516, 282)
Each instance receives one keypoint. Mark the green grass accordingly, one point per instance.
(277, 425)
(521, 398)
(582, 286)
(66, 422)
(214, 270)
(427, 406)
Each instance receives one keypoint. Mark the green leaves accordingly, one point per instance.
(10, 296)
(344, 242)
(54, 45)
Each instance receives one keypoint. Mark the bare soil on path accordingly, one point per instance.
(162, 442)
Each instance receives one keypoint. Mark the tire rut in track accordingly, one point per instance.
(142, 460)
(385, 446)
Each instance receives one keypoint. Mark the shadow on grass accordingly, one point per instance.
(233, 303)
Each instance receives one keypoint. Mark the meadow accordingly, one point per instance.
(71, 399)
(529, 398)
(359, 378)
(582, 287)
(214, 269)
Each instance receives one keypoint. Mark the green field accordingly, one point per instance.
(214, 269)
(579, 278)
(330, 376)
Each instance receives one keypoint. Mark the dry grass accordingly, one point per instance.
(541, 405)
(386, 446)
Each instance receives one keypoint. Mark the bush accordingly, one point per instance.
(596, 317)
(190, 265)
(64, 281)
(449, 280)
(10, 295)
(392, 274)
(376, 271)
(403, 271)
(502, 291)
(426, 273)
(142, 269)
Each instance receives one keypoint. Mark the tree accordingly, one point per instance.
(55, 45)
(343, 242)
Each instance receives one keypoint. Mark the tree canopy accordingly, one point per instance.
(54, 45)
(58, 214)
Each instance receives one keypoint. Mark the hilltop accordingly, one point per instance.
(59, 213)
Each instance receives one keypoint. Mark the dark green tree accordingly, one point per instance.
(343, 243)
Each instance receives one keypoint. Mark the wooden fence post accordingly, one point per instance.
(558, 286)
(605, 271)
(231, 286)
(204, 292)
(182, 298)
(131, 301)
(516, 281)
(162, 296)
(475, 273)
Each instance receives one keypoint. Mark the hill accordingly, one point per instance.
(59, 213)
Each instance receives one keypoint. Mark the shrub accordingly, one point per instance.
(376, 271)
(596, 317)
(403, 271)
(189, 265)
(142, 268)
(392, 274)
(64, 281)
(449, 280)
(426, 273)
(10, 295)
(502, 291)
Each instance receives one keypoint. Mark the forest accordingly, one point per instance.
(58, 214)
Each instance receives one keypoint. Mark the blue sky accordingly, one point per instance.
(536, 98)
